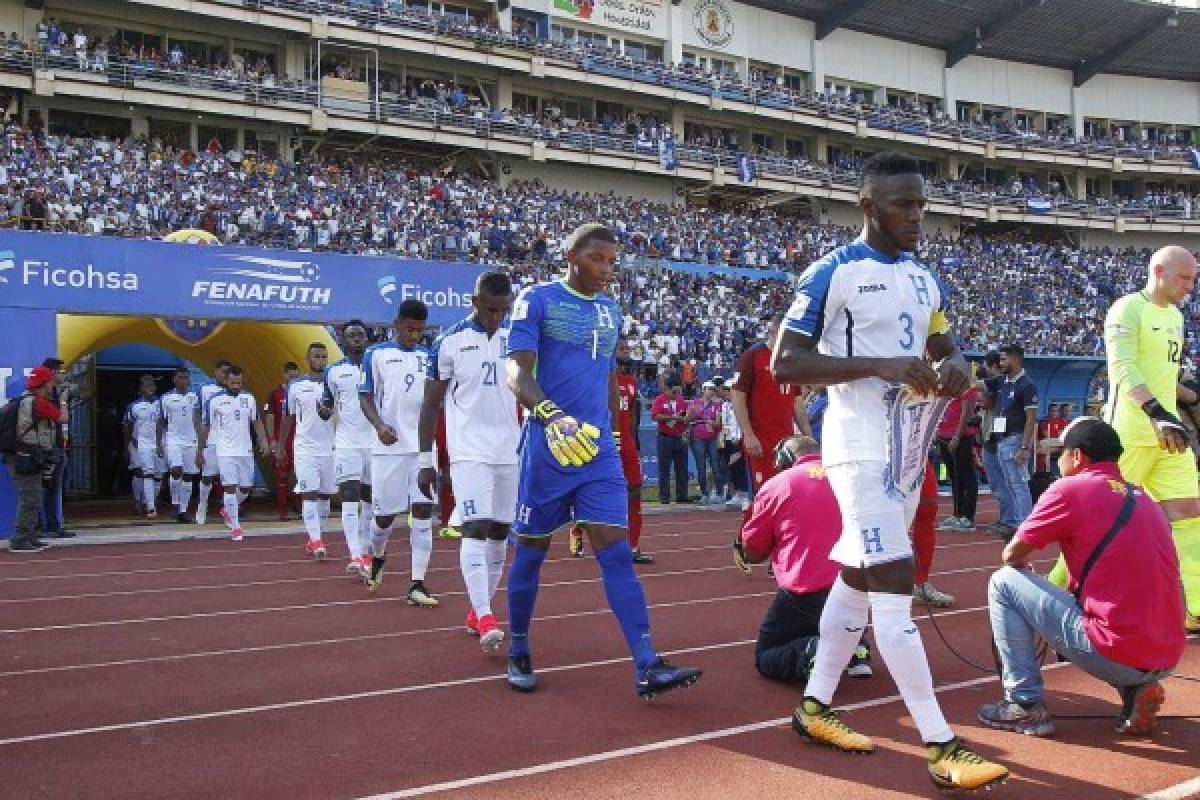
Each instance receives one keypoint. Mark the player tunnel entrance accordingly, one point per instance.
(129, 347)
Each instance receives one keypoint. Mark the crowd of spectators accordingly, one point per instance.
(1049, 296)
(255, 76)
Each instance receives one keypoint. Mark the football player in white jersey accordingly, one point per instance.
(352, 441)
(313, 446)
(868, 321)
(177, 437)
(482, 433)
(391, 390)
(228, 418)
(209, 468)
(141, 442)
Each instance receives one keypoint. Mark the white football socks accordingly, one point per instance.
(351, 529)
(231, 509)
(497, 550)
(185, 494)
(379, 539)
(842, 623)
(420, 537)
(472, 560)
(310, 511)
(899, 643)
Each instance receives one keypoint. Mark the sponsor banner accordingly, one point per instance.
(97, 275)
(643, 17)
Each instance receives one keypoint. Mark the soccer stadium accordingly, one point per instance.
(843, 352)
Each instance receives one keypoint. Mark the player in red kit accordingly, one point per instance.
(626, 433)
(445, 489)
(283, 461)
(631, 461)
(767, 413)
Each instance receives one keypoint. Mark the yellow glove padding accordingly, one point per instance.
(571, 443)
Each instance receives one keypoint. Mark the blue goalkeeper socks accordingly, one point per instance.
(627, 601)
(522, 593)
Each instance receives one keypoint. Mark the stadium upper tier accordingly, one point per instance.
(1049, 297)
(756, 92)
(646, 145)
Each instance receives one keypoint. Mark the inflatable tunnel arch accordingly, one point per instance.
(260, 348)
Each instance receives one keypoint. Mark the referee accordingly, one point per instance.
(1144, 340)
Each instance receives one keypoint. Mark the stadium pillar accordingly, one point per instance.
(821, 149)
(818, 68)
(1076, 111)
(1080, 184)
(677, 125)
(504, 91)
(949, 93)
(675, 34)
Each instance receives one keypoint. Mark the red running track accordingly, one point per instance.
(207, 669)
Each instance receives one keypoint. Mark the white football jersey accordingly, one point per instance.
(351, 429)
(481, 411)
(395, 377)
(229, 418)
(142, 415)
(314, 436)
(857, 301)
(179, 410)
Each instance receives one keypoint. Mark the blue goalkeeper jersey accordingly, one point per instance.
(575, 339)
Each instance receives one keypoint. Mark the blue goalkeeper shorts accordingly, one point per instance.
(549, 496)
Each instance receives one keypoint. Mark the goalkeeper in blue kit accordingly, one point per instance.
(562, 367)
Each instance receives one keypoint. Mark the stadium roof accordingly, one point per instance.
(1127, 37)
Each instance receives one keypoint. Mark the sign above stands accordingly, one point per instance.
(642, 17)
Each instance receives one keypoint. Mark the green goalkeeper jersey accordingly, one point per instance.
(1144, 343)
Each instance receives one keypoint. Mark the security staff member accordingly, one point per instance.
(1014, 428)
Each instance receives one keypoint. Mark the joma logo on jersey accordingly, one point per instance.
(867, 288)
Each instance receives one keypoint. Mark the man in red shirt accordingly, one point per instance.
(669, 411)
(795, 522)
(1122, 621)
(1051, 428)
(273, 408)
(767, 412)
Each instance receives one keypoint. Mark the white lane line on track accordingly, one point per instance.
(335, 603)
(700, 529)
(326, 604)
(650, 747)
(334, 555)
(398, 690)
(376, 636)
(1179, 791)
(397, 550)
(339, 577)
(367, 637)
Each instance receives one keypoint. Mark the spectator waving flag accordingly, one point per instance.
(745, 168)
(666, 154)
(1194, 156)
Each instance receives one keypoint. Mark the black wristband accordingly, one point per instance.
(1155, 411)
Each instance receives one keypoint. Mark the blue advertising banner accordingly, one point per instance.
(98, 275)
(42, 274)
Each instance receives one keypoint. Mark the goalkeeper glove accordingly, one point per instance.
(1164, 421)
(571, 442)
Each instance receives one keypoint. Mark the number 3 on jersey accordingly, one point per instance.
(909, 337)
